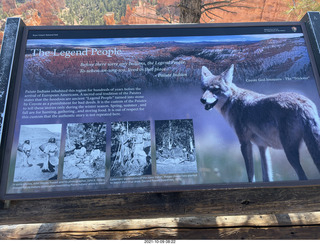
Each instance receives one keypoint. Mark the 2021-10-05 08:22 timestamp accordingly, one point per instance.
(159, 241)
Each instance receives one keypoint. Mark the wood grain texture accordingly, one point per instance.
(252, 213)
(280, 226)
(157, 205)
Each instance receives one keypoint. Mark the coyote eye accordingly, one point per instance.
(214, 89)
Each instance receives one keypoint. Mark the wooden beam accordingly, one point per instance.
(158, 205)
(273, 226)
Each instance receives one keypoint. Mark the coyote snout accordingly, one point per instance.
(209, 100)
(280, 121)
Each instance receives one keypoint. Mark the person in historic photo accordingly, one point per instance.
(139, 144)
(25, 149)
(80, 154)
(130, 149)
(175, 147)
(94, 157)
(85, 151)
(37, 155)
(50, 149)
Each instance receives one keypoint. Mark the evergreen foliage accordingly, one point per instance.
(91, 12)
(298, 8)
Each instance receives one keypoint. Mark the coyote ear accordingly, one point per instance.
(205, 72)
(228, 74)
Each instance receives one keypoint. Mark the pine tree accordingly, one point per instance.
(92, 12)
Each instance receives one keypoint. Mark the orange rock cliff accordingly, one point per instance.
(46, 12)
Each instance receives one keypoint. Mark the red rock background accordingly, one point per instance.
(37, 12)
(45, 12)
(258, 11)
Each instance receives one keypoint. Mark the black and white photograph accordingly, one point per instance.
(85, 151)
(38, 153)
(175, 150)
(130, 149)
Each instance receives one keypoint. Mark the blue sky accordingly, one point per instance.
(186, 39)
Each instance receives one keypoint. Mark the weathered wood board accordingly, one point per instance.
(273, 226)
(252, 213)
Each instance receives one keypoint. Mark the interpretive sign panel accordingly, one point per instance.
(160, 108)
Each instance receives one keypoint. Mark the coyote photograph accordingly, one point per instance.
(280, 121)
